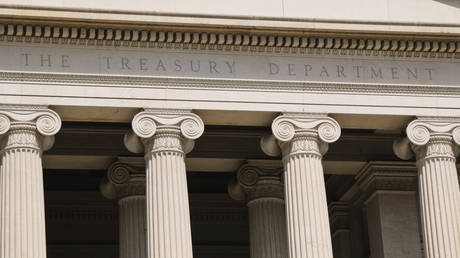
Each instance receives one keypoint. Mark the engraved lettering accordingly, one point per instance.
(197, 68)
(358, 70)
(429, 70)
(340, 72)
(412, 74)
(107, 62)
(394, 73)
(291, 69)
(161, 66)
(273, 68)
(231, 67)
(143, 64)
(212, 67)
(177, 65)
(65, 61)
(46, 60)
(376, 74)
(308, 68)
(26, 59)
(324, 72)
(124, 63)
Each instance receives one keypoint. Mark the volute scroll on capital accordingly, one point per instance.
(425, 129)
(149, 122)
(252, 183)
(315, 132)
(146, 123)
(45, 121)
(287, 125)
(123, 180)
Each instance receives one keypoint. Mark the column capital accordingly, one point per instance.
(29, 118)
(253, 183)
(123, 181)
(150, 123)
(314, 131)
(442, 132)
(289, 125)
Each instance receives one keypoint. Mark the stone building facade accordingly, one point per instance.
(269, 129)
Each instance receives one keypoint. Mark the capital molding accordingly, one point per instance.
(253, 182)
(422, 130)
(146, 125)
(386, 176)
(123, 180)
(33, 118)
(317, 130)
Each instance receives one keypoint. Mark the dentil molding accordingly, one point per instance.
(258, 42)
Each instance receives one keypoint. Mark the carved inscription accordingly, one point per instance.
(225, 66)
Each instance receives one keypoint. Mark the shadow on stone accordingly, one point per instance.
(454, 3)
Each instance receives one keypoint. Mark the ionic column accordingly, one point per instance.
(303, 139)
(166, 137)
(25, 132)
(435, 142)
(127, 185)
(263, 191)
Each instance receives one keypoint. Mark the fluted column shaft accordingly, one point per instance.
(308, 218)
(126, 184)
(263, 191)
(267, 228)
(167, 136)
(303, 140)
(168, 215)
(22, 212)
(132, 227)
(439, 198)
(434, 141)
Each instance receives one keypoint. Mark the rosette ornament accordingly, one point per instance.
(151, 123)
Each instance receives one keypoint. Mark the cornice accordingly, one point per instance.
(218, 39)
(382, 176)
(107, 15)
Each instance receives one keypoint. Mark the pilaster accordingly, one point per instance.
(388, 190)
(435, 142)
(166, 136)
(264, 193)
(304, 139)
(25, 132)
(339, 215)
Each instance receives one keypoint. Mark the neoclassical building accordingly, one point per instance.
(238, 129)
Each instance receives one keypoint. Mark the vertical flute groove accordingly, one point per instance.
(309, 232)
(132, 224)
(22, 225)
(267, 220)
(439, 198)
(167, 197)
